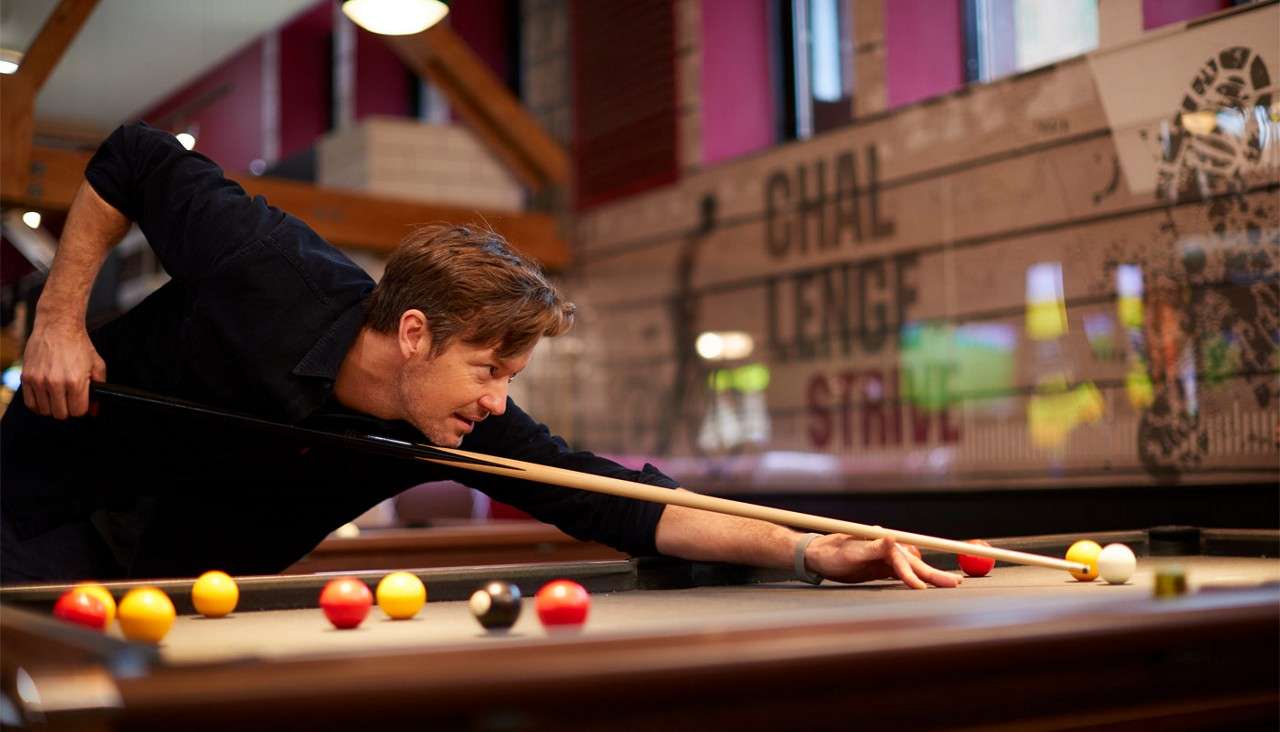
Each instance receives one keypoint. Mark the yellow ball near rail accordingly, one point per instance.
(215, 594)
(1085, 552)
(401, 595)
(145, 614)
(102, 594)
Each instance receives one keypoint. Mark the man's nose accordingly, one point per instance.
(495, 402)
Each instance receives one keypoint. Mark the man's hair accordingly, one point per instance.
(471, 285)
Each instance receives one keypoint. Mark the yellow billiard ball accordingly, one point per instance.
(1085, 552)
(102, 594)
(401, 595)
(215, 594)
(145, 614)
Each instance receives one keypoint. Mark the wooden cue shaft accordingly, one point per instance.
(602, 484)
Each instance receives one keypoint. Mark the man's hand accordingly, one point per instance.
(844, 558)
(60, 359)
(57, 366)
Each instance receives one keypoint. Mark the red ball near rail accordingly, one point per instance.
(562, 603)
(346, 602)
(976, 566)
(82, 607)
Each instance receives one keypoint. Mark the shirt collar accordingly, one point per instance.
(325, 357)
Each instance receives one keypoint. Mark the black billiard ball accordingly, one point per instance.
(496, 605)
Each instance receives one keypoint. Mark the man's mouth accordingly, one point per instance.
(467, 424)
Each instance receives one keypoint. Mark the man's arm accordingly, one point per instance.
(697, 535)
(640, 527)
(60, 360)
(193, 218)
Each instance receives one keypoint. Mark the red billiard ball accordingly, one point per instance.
(562, 603)
(346, 602)
(82, 607)
(976, 566)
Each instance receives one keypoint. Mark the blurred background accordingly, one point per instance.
(967, 267)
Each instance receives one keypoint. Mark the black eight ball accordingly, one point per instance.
(496, 605)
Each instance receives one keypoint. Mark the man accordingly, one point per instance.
(262, 316)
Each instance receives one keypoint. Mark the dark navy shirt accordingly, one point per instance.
(257, 318)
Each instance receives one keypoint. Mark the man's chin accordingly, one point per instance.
(444, 438)
(454, 440)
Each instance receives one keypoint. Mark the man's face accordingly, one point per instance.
(445, 396)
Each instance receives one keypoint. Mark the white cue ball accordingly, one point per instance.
(1116, 563)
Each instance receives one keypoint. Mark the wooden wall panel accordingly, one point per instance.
(968, 193)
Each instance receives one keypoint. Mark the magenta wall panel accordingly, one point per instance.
(226, 104)
(737, 97)
(924, 41)
(383, 84)
(306, 83)
(484, 25)
(1156, 13)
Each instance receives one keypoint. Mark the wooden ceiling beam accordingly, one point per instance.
(482, 101)
(342, 217)
(19, 90)
(53, 40)
(377, 223)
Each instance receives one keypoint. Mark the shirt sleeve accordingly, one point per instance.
(192, 215)
(626, 524)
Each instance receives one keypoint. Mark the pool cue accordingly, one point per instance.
(522, 470)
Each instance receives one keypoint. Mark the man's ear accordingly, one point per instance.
(414, 336)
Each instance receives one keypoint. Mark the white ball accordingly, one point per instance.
(1116, 563)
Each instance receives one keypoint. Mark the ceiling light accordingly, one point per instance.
(31, 219)
(187, 139)
(9, 61)
(395, 17)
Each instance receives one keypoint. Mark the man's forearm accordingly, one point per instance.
(698, 535)
(93, 227)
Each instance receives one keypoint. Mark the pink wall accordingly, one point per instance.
(924, 42)
(1156, 13)
(484, 25)
(226, 104)
(383, 84)
(737, 96)
(306, 83)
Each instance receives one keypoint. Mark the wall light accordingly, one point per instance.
(187, 139)
(31, 219)
(395, 17)
(724, 346)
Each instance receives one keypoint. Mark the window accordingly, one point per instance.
(1004, 37)
(816, 64)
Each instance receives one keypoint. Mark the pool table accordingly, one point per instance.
(673, 644)
(449, 545)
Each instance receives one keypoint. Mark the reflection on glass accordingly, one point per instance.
(1056, 408)
(1099, 329)
(1046, 308)
(738, 413)
(1137, 379)
(942, 364)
